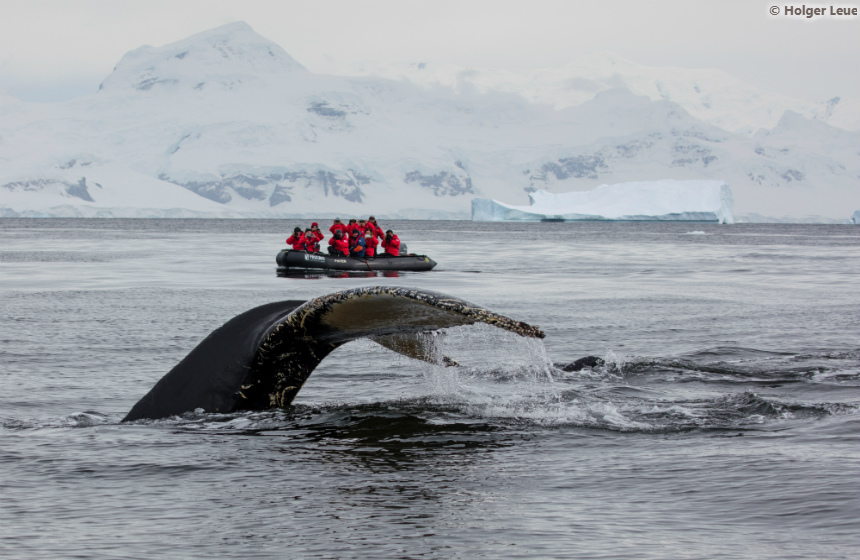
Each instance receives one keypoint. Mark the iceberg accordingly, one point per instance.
(666, 200)
(855, 217)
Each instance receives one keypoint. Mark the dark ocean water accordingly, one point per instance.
(725, 423)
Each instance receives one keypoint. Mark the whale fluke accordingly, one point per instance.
(261, 358)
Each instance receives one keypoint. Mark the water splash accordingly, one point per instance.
(501, 380)
(86, 419)
(503, 372)
(511, 379)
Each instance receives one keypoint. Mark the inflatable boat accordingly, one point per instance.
(289, 259)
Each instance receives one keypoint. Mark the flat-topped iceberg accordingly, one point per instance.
(667, 200)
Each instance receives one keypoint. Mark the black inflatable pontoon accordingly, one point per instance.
(301, 260)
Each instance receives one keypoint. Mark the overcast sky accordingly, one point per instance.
(58, 49)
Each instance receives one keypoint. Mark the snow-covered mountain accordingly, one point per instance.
(710, 95)
(225, 123)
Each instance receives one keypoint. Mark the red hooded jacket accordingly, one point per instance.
(341, 226)
(377, 231)
(341, 245)
(311, 245)
(392, 247)
(298, 242)
(370, 245)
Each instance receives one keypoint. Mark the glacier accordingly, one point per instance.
(226, 124)
(667, 200)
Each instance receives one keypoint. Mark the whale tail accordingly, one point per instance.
(262, 358)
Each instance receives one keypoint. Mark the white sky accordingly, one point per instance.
(57, 49)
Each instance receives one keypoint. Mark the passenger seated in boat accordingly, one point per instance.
(391, 244)
(338, 225)
(370, 243)
(353, 223)
(311, 243)
(315, 227)
(356, 243)
(377, 230)
(337, 245)
(297, 239)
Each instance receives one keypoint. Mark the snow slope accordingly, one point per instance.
(225, 123)
(710, 95)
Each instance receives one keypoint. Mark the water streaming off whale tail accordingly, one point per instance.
(480, 376)
(498, 375)
(509, 379)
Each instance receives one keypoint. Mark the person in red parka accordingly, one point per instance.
(315, 228)
(338, 225)
(338, 245)
(370, 243)
(297, 239)
(377, 230)
(311, 244)
(391, 244)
